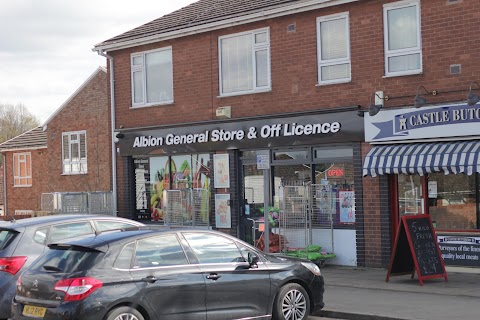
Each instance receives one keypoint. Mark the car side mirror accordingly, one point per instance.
(253, 260)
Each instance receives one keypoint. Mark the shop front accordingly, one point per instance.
(303, 168)
(431, 156)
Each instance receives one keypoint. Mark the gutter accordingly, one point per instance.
(112, 115)
(223, 23)
(4, 161)
(22, 149)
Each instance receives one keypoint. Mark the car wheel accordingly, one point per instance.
(292, 303)
(124, 313)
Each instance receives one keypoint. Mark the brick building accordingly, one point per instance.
(67, 156)
(264, 103)
(1, 188)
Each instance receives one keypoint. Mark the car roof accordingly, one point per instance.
(105, 238)
(108, 237)
(46, 220)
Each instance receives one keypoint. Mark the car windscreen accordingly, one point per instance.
(67, 259)
(6, 237)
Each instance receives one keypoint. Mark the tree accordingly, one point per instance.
(15, 120)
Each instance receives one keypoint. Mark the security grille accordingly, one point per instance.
(187, 207)
(307, 217)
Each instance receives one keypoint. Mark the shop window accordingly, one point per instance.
(245, 62)
(410, 200)
(182, 173)
(452, 201)
(22, 169)
(152, 77)
(293, 155)
(334, 194)
(338, 154)
(333, 49)
(74, 152)
(403, 49)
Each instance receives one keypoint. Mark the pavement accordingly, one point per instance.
(363, 294)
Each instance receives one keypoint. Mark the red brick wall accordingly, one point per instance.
(27, 198)
(448, 37)
(88, 110)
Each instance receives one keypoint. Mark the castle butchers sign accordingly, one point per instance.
(426, 122)
(273, 132)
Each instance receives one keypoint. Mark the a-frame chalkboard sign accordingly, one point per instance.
(416, 249)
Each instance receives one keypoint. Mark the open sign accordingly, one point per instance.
(335, 173)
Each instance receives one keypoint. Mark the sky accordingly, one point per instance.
(46, 45)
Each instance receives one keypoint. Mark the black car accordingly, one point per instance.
(166, 274)
(23, 241)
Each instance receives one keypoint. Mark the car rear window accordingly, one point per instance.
(67, 259)
(6, 236)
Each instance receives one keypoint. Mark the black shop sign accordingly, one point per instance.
(262, 132)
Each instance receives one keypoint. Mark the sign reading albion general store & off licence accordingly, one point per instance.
(258, 133)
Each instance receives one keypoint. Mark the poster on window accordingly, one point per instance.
(159, 181)
(223, 217)
(142, 194)
(346, 201)
(221, 171)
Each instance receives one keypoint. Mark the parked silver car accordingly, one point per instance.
(23, 241)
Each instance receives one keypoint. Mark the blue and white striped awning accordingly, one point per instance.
(422, 158)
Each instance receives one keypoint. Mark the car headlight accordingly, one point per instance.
(312, 267)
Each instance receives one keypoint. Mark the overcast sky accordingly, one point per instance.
(46, 45)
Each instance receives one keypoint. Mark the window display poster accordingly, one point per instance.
(223, 218)
(221, 170)
(159, 181)
(347, 206)
(142, 195)
(179, 173)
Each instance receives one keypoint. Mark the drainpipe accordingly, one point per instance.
(4, 161)
(112, 116)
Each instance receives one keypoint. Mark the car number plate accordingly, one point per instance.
(32, 311)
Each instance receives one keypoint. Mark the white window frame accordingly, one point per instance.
(23, 212)
(19, 158)
(332, 62)
(142, 68)
(400, 52)
(256, 47)
(81, 164)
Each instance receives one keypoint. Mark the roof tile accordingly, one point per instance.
(198, 13)
(34, 138)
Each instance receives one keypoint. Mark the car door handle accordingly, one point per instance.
(149, 279)
(213, 276)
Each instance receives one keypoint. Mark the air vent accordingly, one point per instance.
(291, 27)
(455, 68)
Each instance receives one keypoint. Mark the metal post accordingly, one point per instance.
(266, 204)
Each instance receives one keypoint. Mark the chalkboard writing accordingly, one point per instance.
(425, 246)
(416, 249)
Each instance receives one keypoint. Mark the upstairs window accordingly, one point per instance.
(403, 45)
(22, 169)
(245, 62)
(74, 152)
(152, 77)
(333, 42)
